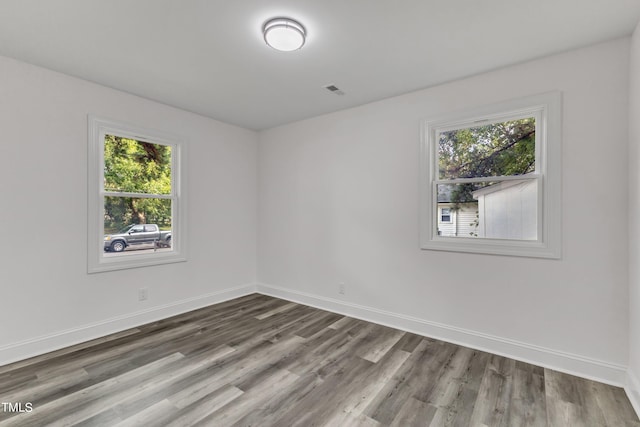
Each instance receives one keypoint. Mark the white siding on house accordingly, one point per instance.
(508, 210)
(461, 220)
(467, 217)
(446, 228)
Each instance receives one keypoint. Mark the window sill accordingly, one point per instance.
(532, 249)
(127, 260)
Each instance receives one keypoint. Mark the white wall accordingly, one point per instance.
(338, 202)
(633, 386)
(48, 299)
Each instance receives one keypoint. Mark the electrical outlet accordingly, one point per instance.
(342, 288)
(143, 294)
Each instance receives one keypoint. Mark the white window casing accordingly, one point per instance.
(546, 240)
(98, 128)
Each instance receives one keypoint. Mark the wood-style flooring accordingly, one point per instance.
(262, 361)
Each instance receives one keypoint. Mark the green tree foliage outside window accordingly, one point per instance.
(138, 167)
(498, 149)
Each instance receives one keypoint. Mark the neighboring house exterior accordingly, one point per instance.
(452, 222)
(508, 210)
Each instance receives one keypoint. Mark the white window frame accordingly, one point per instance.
(97, 262)
(547, 109)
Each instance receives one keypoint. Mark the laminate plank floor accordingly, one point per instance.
(262, 361)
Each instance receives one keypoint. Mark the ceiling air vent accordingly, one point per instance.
(334, 89)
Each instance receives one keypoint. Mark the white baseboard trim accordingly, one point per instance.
(47, 343)
(573, 364)
(585, 367)
(632, 388)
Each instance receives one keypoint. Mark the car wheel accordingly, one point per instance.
(118, 246)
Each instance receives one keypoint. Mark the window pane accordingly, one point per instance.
(495, 210)
(127, 224)
(136, 166)
(498, 149)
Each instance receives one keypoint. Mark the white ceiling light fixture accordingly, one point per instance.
(284, 34)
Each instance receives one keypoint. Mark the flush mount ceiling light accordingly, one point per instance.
(284, 34)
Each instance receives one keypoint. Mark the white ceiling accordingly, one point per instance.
(208, 56)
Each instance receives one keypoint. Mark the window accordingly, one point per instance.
(136, 197)
(445, 215)
(498, 169)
